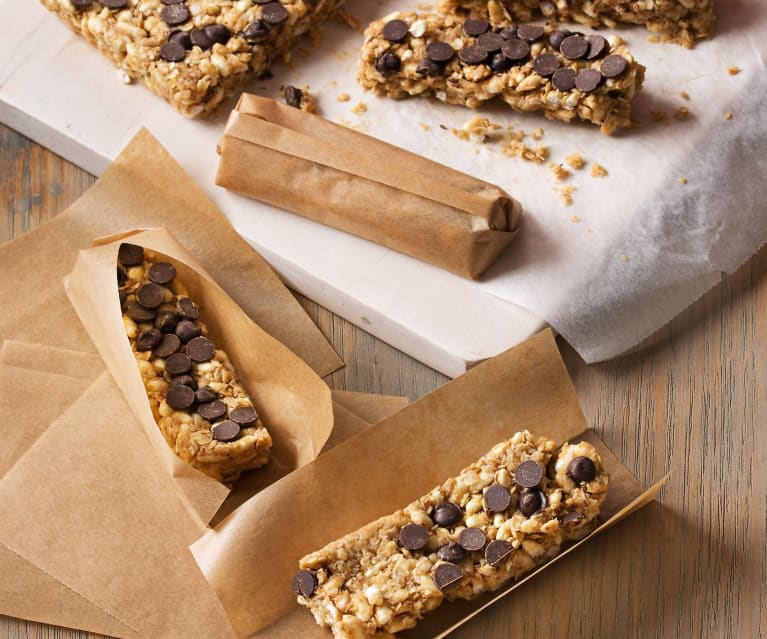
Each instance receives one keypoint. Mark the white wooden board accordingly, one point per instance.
(57, 90)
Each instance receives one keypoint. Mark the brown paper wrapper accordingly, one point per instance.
(294, 403)
(358, 184)
(385, 468)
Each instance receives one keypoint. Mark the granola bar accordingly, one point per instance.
(679, 21)
(202, 410)
(192, 53)
(530, 67)
(499, 518)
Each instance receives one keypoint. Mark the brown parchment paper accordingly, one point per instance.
(145, 187)
(353, 182)
(383, 469)
(294, 403)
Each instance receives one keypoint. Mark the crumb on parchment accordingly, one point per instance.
(566, 194)
(575, 161)
(537, 134)
(423, 126)
(349, 20)
(728, 115)
(733, 70)
(598, 171)
(684, 95)
(682, 113)
(343, 97)
(360, 107)
(682, 180)
(559, 171)
(575, 219)
(659, 116)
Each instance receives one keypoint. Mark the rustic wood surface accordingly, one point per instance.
(694, 400)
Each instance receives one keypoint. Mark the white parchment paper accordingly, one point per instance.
(634, 248)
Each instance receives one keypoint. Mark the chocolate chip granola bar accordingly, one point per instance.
(498, 519)
(679, 21)
(202, 410)
(192, 53)
(530, 67)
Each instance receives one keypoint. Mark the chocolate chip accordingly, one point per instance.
(545, 64)
(187, 308)
(187, 329)
(597, 46)
(166, 321)
(172, 1)
(226, 431)
(530, 32)
(179, 397)
(139, 313)
(206, 394)
(121, 275)
(388, 62)
(148, 340)
(123, 296)
(293, 96)
(510, 32)
(516, 50)
(162, 273)
(574, 47)
(430, 68)
(178, 364)
(130, 254)
(529, 473)
(172, 52)
(587, 80)
(185, 380)
(564, 79)
(570, 518)
(581, 469)
(447, 576)
(472, 539)
(531, 501)
(497, 552)
(257, 30)
(168, 345)
(212, 410)
(497, 499)
(490, 42)
(446, 514)
(395, 30)
(500, 63)
(244, 415)
(200, 349)
(413, 536)
(181, 37)
(200, 39)
(451, 552)
(114, 4)
(218, 33)
(439, 51)
(274, 13)
(474, 27)
(81, 4)
(174, 14)
(556, 37)
(150, 295)
(304, 583)
(473, 54)
(613, 66)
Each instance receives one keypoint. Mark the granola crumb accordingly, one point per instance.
(559, 171)
(566, 194)
(682, 180)
(343, 97)
(598, 171)
(733, 70)
(349, 20)
(423, 126)
(653, 39)
(659, 116)
(537, 134)
(575, 161)
(684, 95)
(476, 129)
(624, 258)
(728, 115)
(423, 6)
(575, 219)
(360, 108)
(682, 113)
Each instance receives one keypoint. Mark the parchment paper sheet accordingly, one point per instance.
(250, 557)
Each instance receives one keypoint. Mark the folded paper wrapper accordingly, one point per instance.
(359, 184)
(525, 388)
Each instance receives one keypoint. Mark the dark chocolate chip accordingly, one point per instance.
(162, 273)
(179, 397)
(570, 518)
(130, 254)
(531, 501)
(497, 552)
(395, 30)
(226, 431)
(139, 313)
(168, 345)
(413, 536)
(166, 321)
(556, 37)
(446, 514)
(613, 66)
(388, 62)
(150, 295)
(451, 552)
(574, 47)
(472, 539)
(510, 32)
(181, 37)
(473, 54)
(200, 39)
(430, 68)
(212, 410)
(447, 576)
(439, 51)
(244, 415)
(529, 473)
(187, 309)
(500, 63)
(148, 340)
(257, 30)
(581, 469)
(178, 364)
(545, 64)
(123, 296)
(564, 79)
(200, 349)
(490, 42)
(587, 80)
(597, 46)
(206, 394)
(174, 14)
(81, 4)
(114, 4)
(187, 329)
(530, 32)
(516, 50)
(293, 96)
(274, 13)
(185, 380)
(304, 583)
(475, 27)
(121, 275)
(497, 499)
(172, 1)
(218, 33)
(172, 52)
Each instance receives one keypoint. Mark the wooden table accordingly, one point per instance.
(694, 400)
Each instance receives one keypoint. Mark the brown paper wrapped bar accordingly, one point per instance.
(291, 399)
(358, 184)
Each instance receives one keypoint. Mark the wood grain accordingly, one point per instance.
(693, 400)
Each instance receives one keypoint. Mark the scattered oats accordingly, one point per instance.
(537, 134)
(624, 258)
(682, 113)
(423, 126)
(343, 97)
(477, 129)
(575, 219)
(575, 161)
(684, 94)
(349, 20)
(683, 180)
(653, 39)
(124, 76)
(598, 171)
(728, 115)
(733, 70)
(659, 116)
(360, 108)
(559, 171)
(566, 194)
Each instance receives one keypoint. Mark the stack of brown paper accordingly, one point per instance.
(361, 185)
